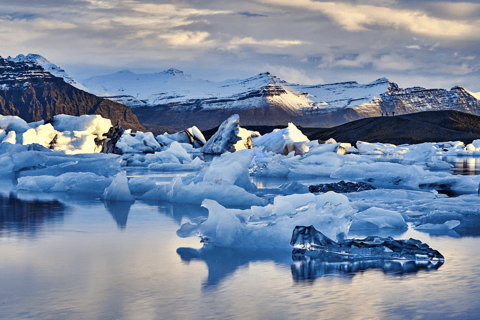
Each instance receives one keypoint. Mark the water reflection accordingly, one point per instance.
(464, 165)
(119, 211)
(28, 216)
(309, 269)
(223, 262)
(178, 211)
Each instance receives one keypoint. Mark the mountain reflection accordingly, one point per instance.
(223, 262)
(28, 216)
(309, 269)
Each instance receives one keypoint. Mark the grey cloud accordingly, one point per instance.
(248, 38)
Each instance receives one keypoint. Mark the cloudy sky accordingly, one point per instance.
(425, 43)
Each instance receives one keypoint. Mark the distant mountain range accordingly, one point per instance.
(34, 89)
(171, 98)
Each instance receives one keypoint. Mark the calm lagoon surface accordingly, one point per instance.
(68, 257)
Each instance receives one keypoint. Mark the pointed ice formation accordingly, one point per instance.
(230, 137)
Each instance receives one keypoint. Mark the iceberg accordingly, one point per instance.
(307, 241)
(377, 218)
(118, 190)
(138, 142)
(284, 141)
(230, 137)
(192, 136)
(270, 226)
(72, 182)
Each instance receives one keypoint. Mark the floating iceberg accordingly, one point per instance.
(230, 137)
(191, 136)
(283, 141)
(138, 142)
(308, 241)
(118, 190)
(270, 226)
(72, 182)
(377, 218)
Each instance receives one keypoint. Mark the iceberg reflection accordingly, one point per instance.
(119, 211)
(308, 268)
(223, 262)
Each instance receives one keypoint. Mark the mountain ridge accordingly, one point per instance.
(29, 91)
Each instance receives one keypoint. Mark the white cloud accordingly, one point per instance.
(293, 75)
(393, 62)
(415, 46)
(359, 61)
(235, 42)
(186, 38)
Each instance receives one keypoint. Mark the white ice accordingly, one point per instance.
(118, 190)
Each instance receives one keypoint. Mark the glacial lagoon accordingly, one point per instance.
(73, 257)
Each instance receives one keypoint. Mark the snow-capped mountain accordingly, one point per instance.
(49, 67)
(171, 98)
(29, 91)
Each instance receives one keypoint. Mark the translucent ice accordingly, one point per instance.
(377, 218)
(229, 137)
(309, 241)
(118, 190)
(72, 182)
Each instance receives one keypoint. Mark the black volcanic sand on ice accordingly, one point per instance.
(429, 126)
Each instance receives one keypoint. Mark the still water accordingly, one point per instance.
(72, 258)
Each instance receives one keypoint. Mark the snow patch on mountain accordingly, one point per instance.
(173, 87)
(48, 66)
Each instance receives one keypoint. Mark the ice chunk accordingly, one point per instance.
(72, 182)
(394, 175)
(10, 138)
(13, 123)
(57, 164)
(43, 135)
(284, 141)
(195, 193)
(91, 124)
(377, 218)
(140, 185)
(270, 226)
(118, 190)
(138, 142)
(231, 168)
(309, 241)
(192, 136)
(341, 187)
(448, 225)
(229, 137)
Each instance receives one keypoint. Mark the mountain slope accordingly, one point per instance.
(29, 91)
(171, 98)
(432, 126)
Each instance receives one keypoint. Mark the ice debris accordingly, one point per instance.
(341, 187)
